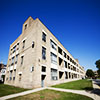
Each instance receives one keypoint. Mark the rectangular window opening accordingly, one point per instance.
(43, 53)
(60, 50)
(43, 36)
(43, 69)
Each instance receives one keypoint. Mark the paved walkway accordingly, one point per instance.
(92, 94)
(21, 94)
(81, 92)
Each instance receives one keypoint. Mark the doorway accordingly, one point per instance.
(42, 80)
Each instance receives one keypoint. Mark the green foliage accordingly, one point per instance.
(98, 64)
(90, 73)
(98, 71)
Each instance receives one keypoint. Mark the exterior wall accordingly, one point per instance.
(33, 58)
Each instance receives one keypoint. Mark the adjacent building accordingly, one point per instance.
(2, 72)
(36, 59)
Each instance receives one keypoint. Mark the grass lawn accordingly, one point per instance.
(51, 95)
(76, 85)
(6, 90)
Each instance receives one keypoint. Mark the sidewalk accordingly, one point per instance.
(81, 92)
(95, 82)
(21, 94)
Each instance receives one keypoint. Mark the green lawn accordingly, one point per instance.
(51, 95)
(76, 85)
(6, 90)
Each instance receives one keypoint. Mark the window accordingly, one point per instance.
(20, 77)
(54, 74)
(60, 61)
(10, 51)
(43, 53)
(65, 64)
(25, 26)
(60, 74)
(43, 69)
(53, 58)
(16, 59)
(68, 57)
(23, 44)
(43, 36)
(64, 54)
(17, 46)
(33, 44)
(68, 65)
(12, 60)
(22, 58)
(10, 76)
(66, 75)
(14, 75)
(53, 45)
(32, 69)
(60, 50)
(14, 49)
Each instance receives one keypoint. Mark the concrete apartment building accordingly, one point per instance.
(36, 59)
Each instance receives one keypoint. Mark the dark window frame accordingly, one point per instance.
(43, 53)
(43, 37)
(43, 69)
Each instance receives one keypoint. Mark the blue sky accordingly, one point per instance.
(75, 23)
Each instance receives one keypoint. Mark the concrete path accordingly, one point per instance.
(21, 94)
(96, 86)
(81, 92)
(96, 83)
(92, 94)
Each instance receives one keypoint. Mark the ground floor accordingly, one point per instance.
(45, 78)
(81, 92)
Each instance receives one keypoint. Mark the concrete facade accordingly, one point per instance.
(36, 59)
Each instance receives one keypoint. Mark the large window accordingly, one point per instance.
(53, 45)
(53, 58)
(54, 74)
(43, 36)
(43, 53)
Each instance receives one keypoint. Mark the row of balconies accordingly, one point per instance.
(64, 58)
(64, 55)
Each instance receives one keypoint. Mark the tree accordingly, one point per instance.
(90, 73)
(98, 64)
